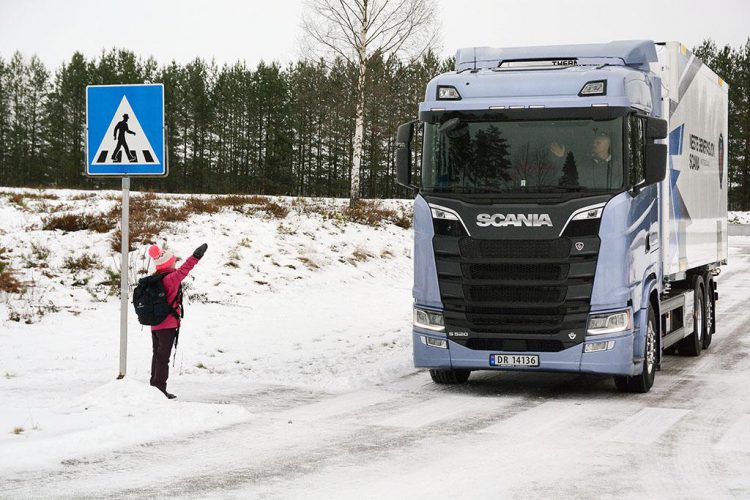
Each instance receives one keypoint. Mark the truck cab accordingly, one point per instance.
(550, 230)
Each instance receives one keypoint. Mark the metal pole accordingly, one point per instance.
(124, 248)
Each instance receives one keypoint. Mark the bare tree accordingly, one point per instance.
(356, 30)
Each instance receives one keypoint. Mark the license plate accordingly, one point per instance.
(522, 360)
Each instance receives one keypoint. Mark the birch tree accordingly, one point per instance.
(356, 30)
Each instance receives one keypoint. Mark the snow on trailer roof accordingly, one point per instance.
(629, 52)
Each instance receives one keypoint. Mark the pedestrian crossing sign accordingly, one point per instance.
(125, 133)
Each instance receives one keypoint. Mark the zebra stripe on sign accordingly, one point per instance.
(133, 156)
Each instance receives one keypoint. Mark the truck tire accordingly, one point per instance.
(642, 383)
(693, 343)
(710, 318)
(450, 376)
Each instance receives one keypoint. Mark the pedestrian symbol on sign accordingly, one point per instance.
(116, 147)
(120, 130)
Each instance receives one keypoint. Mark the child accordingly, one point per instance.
(163, 335)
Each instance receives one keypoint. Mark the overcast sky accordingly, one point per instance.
(253, 30)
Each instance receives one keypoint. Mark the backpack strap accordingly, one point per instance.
(177, 302)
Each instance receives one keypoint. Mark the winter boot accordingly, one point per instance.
(169, 395)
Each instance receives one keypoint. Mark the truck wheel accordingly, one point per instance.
(642, 383)
(450, 376)
(693, 343)
(710, 317)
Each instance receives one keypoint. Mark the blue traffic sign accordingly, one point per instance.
(125, 133)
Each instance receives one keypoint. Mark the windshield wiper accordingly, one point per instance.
(561, 189)
(467, 190)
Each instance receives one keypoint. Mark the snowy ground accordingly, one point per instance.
(306, 387)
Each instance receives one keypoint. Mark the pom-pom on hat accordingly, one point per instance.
(164, 259)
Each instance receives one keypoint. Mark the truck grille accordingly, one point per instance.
(543, 317)
(516, 272)
(517, 295)
(514, 249)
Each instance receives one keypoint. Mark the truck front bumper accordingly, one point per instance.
(618, 360)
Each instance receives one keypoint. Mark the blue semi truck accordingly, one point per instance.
(571, 210)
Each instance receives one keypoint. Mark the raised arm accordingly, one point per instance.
(181, 273)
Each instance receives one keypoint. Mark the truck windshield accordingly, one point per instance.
(474, 157)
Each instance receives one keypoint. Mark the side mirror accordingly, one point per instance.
(656, 163)
(404, 134)
(403, 154)
(656, 128)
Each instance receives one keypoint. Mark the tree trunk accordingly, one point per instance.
(359, 132)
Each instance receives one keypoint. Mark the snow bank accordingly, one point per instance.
(118, 414)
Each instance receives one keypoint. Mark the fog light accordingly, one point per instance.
(599, 346)
(432, 342)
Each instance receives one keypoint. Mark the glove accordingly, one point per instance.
(198, 253)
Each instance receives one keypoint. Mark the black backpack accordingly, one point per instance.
(150, 301)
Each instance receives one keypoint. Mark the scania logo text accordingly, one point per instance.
(515, 220)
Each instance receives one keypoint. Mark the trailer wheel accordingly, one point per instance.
(693, 343)
(642, 383)
(710, 308)
(450, 376)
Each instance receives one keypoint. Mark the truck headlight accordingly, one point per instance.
(614, 322)
(429, 320)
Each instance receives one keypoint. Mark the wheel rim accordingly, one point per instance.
(650, 347)
(699, 320)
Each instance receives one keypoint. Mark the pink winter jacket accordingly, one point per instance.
(171, 284)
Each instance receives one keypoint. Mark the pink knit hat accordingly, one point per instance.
(164, 259)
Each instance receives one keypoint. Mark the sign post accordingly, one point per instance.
(125, 137)
(124, 275)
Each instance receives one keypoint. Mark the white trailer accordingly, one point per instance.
(695, 102)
